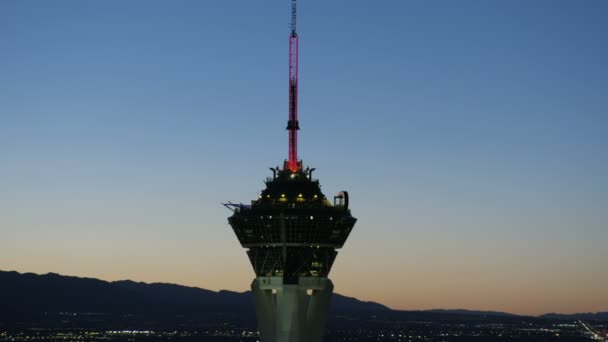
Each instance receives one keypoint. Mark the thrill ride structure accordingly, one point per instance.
(291, 233)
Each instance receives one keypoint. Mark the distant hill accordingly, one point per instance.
(593, 316)
(32, 295)
(29, 293)
(472, 312)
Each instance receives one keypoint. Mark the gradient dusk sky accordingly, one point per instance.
(472, 137)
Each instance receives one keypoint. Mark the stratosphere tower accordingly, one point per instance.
(292, 233)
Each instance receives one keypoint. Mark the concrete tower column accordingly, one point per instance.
(287, 312)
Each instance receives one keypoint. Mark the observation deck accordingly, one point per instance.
(292, 230)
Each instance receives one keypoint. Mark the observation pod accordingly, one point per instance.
(291, 233)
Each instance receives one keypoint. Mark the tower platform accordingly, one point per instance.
(292, 230)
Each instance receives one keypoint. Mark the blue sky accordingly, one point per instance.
(471, 136)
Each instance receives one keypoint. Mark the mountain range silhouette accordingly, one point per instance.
(26, 294)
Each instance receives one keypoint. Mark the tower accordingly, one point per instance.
(291, 233)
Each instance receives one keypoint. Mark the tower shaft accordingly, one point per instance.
(291, 312)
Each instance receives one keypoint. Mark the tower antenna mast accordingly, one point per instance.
(292, 125)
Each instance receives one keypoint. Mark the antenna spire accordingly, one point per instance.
(293, 16)
(292, 125)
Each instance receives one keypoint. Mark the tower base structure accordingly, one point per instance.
(292, 312)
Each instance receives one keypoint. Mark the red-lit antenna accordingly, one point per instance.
(293, 125)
